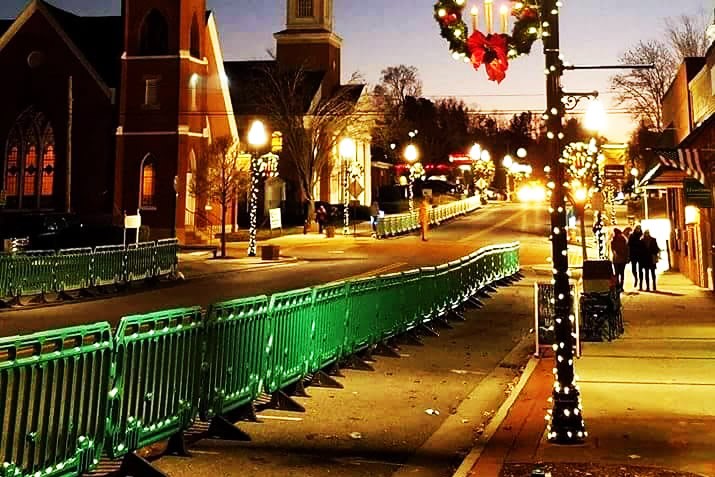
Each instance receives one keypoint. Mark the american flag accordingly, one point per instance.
(687, 160)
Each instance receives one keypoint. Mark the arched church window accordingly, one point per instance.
(154, 35)
(12, 165)
(305, 9)
(30, 162)
(195, 40)
(47, 169)
(148, 183)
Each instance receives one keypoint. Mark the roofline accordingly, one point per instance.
(38, 5)
(225, 92)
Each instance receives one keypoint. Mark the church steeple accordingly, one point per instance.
(309, 40)
(310, 15)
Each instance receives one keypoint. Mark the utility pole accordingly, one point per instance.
(68, 180)
(566, 424)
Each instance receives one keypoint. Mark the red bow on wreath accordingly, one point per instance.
(490, 51)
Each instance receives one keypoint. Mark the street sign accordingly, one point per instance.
(481, 184)
(132, 221)
(614, 173)
(697, 194)
(275, 219)
(355, 189)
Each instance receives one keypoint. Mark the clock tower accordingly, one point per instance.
(309, 41)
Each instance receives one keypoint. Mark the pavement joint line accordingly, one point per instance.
(468, 463)
(645, 383)
(371, 273)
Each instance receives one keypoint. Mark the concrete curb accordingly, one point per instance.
(471, 459)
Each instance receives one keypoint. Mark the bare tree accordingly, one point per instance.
(311, 125)
(686, 35)
(642, 90)
(397, 84)
(221, 178)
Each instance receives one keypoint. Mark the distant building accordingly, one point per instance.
(106, 115)
(679, 187)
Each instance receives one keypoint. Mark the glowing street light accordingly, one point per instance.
(257, 138)
(595, 119)
(475, 152)
(411, 155)
(521, 153)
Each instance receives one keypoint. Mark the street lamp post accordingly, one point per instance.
(566, 423)
(411, 156)
(508, 163)
(257, 138)
(347, 151)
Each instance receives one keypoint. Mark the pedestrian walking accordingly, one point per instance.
(424, 218)
(321, 216)
(619, 251)
(650, 258)
(374, 216)
(635, 250)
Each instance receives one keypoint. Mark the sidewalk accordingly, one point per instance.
(647, 398)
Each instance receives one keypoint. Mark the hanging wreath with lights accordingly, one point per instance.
(356, 171)
(417, 171)
(493, 50)
(483, 170)
(581, 161)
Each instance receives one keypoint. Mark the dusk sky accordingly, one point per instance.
(379, 33)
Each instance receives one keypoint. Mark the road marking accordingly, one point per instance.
(466, 371)
(279, 418)
(471, 237)
(375, 272)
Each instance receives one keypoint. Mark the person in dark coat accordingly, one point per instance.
(649, 260)
(321, 216)
(619, 249)
(635, 250)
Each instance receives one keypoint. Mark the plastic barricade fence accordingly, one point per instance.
(108, 266)
(428, 291)
(330, 312)
(34, 272)
(155, 384)
(291, 339)
(236, 340)
(8, 287)
(441, 282)
(363, 304)
(166, 257)
(390, 317)
(139, 262)
(53, 390)
(73, 269)
(413, 302)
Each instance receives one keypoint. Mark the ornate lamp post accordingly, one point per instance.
(411, 155)
(347, 150)
(595, 121)
(257, 138)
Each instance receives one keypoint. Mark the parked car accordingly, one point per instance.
(496, 194)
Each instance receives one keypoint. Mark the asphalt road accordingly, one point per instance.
(417, 415)
(316, 260)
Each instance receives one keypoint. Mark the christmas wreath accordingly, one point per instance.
(493, 50)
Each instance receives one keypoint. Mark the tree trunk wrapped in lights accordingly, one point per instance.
(566, 423)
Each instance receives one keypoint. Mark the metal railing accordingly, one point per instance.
(67, 396)
(40, 272)
(396, 224)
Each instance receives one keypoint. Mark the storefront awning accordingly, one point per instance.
(687, 160)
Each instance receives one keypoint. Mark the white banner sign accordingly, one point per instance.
(132, 221)
(275, 219)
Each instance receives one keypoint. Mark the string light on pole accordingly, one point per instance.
(257, 138)
(412, 154)
(347, 150)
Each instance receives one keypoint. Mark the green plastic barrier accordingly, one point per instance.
(330, 313)
(53, 389)
(363, 304)
(413, 305)
(428, 292)
(155, 383)
(236, 338)
(167, 261)
(8, 287)
(73, 269)
(34, 272)
(391, 317)
(108, 266)
(139, 262)
(292, 337)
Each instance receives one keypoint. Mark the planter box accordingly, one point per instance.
(270, 252)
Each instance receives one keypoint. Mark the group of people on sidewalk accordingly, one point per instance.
(641, 250)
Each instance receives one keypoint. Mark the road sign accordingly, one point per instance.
(697, 194)
(355, 189)
(481, 184)
(614, 173)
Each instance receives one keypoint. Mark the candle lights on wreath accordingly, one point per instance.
(504, 12)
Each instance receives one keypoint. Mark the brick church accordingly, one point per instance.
(107, 115)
